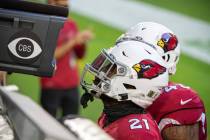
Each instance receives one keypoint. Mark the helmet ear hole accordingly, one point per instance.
(128, 86)
(164, 57)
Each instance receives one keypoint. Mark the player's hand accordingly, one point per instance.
(84, 36)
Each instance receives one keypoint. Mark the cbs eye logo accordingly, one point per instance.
(24, 48)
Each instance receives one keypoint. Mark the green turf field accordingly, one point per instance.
(195, 8)
(190, 72)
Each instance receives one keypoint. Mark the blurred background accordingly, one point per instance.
(108, 19)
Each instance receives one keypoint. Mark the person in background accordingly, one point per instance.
(61, 91)
(3, 77)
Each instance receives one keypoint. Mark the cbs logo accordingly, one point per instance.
(24, 48)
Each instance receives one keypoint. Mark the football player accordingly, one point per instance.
(179, 111)
(127, 78)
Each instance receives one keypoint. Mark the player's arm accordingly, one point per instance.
(79, 39)
(65, 48)
(184, 132)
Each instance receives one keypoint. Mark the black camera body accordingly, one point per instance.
(29, 34)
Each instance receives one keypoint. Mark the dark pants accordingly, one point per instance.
(54, 99)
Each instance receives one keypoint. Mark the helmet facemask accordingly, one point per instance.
(96, 77)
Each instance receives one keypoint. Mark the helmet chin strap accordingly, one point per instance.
(86, 97)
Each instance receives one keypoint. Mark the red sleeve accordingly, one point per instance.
(80, 50)
(191, 116)
(181, 117)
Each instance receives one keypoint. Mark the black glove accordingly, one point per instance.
(85, 98)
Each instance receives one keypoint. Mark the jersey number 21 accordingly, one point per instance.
(137, 124)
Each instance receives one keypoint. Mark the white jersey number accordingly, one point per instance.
(174, 87)
(137, 124)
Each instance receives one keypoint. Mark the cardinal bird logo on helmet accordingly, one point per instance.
(168, 42)
(148, 69)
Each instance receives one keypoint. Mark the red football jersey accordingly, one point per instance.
(132, 127)
(179, 105)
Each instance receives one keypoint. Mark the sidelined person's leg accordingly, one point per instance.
(70, 101)
(50, 100)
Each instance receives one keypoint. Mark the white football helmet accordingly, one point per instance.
(159, 36)
(131, 70)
